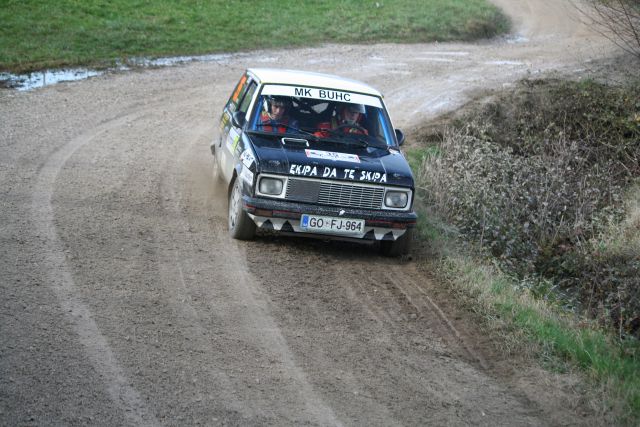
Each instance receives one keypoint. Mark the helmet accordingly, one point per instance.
(355, 108)
(352, 108)
(284, 100)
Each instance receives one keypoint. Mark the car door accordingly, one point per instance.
(230, 144)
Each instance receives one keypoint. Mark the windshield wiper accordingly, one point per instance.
(359, 142)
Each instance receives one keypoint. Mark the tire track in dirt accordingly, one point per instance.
(256, 325)
(174, 284)
(316, 313)
(401, 285)
(255, 321)
(61, 282)
(365, 337)
(416, 295)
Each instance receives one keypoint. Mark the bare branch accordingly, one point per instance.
(617, 20)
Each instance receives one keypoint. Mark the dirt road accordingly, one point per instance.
(124, 301)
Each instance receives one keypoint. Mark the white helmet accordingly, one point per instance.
(353, 108)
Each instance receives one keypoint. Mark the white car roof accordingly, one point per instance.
(311, 79)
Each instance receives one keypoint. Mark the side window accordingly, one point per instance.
(246, 98)
(232, 104)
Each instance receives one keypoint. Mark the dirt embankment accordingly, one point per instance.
(125, 302)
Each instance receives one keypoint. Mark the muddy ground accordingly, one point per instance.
(125, 302)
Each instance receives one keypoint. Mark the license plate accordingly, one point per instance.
(333, 225)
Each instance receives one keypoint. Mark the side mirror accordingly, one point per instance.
(399, 136)
(238, 119)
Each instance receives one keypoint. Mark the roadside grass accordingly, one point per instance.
(560, 338)
(530, 203)
(37, 34)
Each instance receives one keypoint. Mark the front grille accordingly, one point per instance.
(334, 193)
(303, 190)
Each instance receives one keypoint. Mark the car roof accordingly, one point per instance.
(311, 79)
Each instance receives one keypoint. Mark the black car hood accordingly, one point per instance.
(331, 161)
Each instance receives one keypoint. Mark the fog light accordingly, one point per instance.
(272, 186)
(396, 199)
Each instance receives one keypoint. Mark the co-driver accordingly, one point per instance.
(347, 120)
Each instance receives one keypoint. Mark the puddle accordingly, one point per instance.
(514, 63)
(44, 78)
(433, 59)
(38, 79)
(175, 60)
(447, 53)
(516, 39)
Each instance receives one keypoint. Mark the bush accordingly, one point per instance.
(538, 180)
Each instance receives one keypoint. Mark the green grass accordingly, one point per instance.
(417, 155)
(38, 34)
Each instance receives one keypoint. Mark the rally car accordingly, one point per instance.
(313, 155)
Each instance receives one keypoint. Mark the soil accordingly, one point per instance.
(125, 302)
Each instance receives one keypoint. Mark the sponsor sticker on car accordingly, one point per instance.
(330, 155)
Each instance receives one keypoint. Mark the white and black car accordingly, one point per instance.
(329, 166)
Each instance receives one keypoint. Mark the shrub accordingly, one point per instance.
(538, 179)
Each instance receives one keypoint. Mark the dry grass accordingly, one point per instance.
(623, 238)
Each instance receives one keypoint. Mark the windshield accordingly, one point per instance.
(351, 123)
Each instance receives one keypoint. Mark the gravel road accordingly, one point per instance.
(125, 302)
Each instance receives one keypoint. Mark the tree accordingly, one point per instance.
(618, 20)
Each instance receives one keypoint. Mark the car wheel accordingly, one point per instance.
(398, 247)
(241, 226)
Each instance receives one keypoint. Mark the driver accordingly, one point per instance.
(275, 117)
(348, 120)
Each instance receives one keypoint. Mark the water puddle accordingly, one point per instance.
(44, 78)
(516, 39)
(176, 60)
(499, 62)
(38, 79)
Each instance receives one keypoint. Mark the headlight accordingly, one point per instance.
(271, 186)
(396, 199)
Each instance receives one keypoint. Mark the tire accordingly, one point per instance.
(400, 246)
(241, 226)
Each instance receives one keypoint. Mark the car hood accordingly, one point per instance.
(336, 161)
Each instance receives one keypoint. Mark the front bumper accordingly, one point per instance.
(284, 216)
